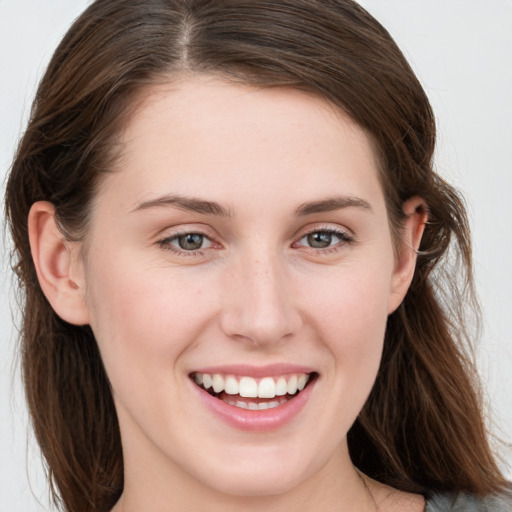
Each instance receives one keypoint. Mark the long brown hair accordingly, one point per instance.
(422, 429)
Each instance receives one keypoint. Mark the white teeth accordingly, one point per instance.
(301, 381)
(207, 381)
(231, 386)
(248, 387)
(281, 386)
(267, 388)
(256, 406)
(218, 383)
(292, 385)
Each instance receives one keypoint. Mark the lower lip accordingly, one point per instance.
(265, 420)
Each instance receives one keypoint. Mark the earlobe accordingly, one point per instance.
(57, 265)
(416, 216)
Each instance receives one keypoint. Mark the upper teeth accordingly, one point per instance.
(267, 387)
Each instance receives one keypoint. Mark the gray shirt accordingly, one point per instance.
(465, 503)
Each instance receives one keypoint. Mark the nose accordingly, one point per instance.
(259, 305)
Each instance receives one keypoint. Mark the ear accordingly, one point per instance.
(58, 265)
(416, 216)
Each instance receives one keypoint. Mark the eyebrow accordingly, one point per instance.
(212, 208)
(332, 203)
(192, 204)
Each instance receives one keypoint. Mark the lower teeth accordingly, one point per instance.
(256, 406)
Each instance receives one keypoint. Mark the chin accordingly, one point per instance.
(250, 470)
(261, 481)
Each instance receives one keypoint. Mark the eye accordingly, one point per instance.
(186, 242)
(190, 241)
(324, 239)
(320, 239)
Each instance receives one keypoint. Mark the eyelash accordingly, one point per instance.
(344, 237)
(166, 244)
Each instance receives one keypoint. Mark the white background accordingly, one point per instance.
(462, 52)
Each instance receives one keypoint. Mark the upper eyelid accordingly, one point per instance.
(175, 231)
(183, 233)
(323, 227)
(169, 238)
(342, 235)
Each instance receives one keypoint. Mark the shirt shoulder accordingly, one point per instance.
(466, 503)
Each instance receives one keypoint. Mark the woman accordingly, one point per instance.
(231, 268)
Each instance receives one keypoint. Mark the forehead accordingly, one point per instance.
(206, 133)
(204, 101)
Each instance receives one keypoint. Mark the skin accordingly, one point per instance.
(256, 293)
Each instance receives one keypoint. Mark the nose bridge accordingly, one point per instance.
(259, 306)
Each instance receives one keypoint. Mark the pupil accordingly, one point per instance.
(320, 239)
(191, 241)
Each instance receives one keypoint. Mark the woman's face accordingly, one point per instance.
(241, 239)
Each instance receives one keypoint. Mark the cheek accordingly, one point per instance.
(350, 313)
(347, 315)
(144, 319)
(352, 305)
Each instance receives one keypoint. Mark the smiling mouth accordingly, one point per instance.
(249, 393)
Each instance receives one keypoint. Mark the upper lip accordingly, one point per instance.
(255, 371)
